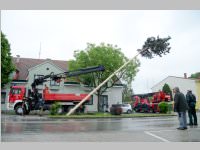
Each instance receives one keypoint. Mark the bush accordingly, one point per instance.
(54, 108)
(163, 107)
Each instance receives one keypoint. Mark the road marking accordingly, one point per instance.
(162, 139)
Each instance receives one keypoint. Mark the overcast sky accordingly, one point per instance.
(62, 32)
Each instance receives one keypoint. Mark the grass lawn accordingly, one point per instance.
(108, 115)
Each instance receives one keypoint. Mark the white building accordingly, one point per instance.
(28, 69)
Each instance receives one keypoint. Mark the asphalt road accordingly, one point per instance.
(43, 129)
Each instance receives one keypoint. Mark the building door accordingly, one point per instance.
(103, 103)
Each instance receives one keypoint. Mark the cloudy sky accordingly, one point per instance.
(63, 31)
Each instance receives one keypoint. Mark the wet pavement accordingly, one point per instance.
(34, 128)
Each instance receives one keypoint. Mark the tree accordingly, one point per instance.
(127, 94)
(7, 67)
(111, 58)
(166, 89)
(195, 75)
(155, 46)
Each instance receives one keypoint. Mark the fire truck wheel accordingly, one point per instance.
(19, 110)
(151, 110)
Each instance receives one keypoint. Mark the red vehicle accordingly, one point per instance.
(141, 104)
(23, 104)
(157, 98)
(149, 102)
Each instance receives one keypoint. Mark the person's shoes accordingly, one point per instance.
(185, 128)
(181, 128)
(195, 124)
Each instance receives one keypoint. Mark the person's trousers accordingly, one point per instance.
(182, 119)
(192, 114)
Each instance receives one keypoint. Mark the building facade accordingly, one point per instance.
(28, 69)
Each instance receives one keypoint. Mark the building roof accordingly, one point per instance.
(175, 77)
(26, 63)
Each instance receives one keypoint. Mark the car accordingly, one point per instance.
(125, 108)
(116, 109)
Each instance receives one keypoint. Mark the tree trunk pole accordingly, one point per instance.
(106, 80)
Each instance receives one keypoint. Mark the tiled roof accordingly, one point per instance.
(26, 63)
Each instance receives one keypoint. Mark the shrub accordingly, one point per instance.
(163, 107)
(54, 108)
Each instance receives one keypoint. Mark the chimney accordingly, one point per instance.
(18, 58)
(185, 75)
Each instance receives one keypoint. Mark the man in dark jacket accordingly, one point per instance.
(191, 100)
(180, 106)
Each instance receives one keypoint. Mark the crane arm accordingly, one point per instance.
(56, 77)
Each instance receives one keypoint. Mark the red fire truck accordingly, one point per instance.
(23, 100)
(148, 102)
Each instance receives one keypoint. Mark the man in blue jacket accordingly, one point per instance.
(191, 100)
(180, 106)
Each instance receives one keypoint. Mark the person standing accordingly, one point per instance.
(191, 100)
(180, 106)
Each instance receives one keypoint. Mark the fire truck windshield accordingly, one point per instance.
(15, 91)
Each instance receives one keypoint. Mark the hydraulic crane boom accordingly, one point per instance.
(84, 71)
(56, 77)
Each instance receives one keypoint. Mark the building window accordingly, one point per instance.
(36, 76)
(90, 102)
(54, 83)
(3, 97)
